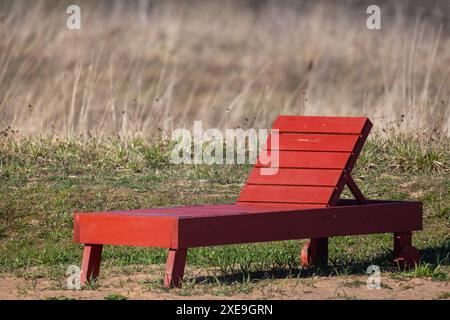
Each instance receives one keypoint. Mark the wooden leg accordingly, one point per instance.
(90, 266)
(401, 240)
(315, 252)
(405, 254)
(176, 260)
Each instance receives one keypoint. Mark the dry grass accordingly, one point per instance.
(227, 64)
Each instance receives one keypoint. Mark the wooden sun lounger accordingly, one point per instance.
(301, 201)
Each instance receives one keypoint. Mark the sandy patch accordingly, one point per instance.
(142, 285)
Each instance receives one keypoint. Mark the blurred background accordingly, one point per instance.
(144, 67)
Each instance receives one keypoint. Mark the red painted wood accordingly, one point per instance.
(177, 211)
(351, 162)
(315, 253)
(316, 158)
(308, 159)
(90, 266)
(182, 208)
(401, 240)
(313, 142)
(321, 158)
(408, 257)
(192, 211)
(124, 229)
(210, 210)
(351, 184)
(300, 177)
(76, 228)
(279, 207)
(176, 261)
(290, 194)
(284, 224)
(405, 254)
(308, 124)
(380, 217)
(353, 202)
(329, 143)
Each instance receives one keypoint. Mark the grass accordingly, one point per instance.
(355, 283)
(42, 181)
(115, 296)
(436, 272)
(59, 298)
(444, 296)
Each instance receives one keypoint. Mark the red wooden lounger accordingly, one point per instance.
(301, 201)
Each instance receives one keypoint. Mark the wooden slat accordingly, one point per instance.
(125, 229)
(177, 211)
(183, 209)
(289, 194)
(279, 207)
(206, 210)
(312, 223)
(313, 142)
(309, 159)
(304, 177)
(300, 124)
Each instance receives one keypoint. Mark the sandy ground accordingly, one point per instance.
(144, 285)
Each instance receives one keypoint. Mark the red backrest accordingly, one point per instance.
(316, 154)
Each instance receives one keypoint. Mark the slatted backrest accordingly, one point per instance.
(316, 155)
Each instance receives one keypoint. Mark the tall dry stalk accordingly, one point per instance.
(134, 73)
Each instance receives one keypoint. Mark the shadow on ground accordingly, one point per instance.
(432, 256)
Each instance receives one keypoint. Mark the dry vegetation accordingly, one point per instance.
(226, 63)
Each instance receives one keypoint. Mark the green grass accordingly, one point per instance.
(59, 298)
(42, 181)
(356, 283)
(444, 296)
(115, 296)
(426, 270)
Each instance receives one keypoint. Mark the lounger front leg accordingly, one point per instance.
(90, 266)
(176, 261)
(315, 252)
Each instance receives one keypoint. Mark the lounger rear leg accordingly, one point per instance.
(315, 252)
(405, 254)
(176, 261)
(90, 267)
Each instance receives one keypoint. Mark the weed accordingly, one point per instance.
(115, 296)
